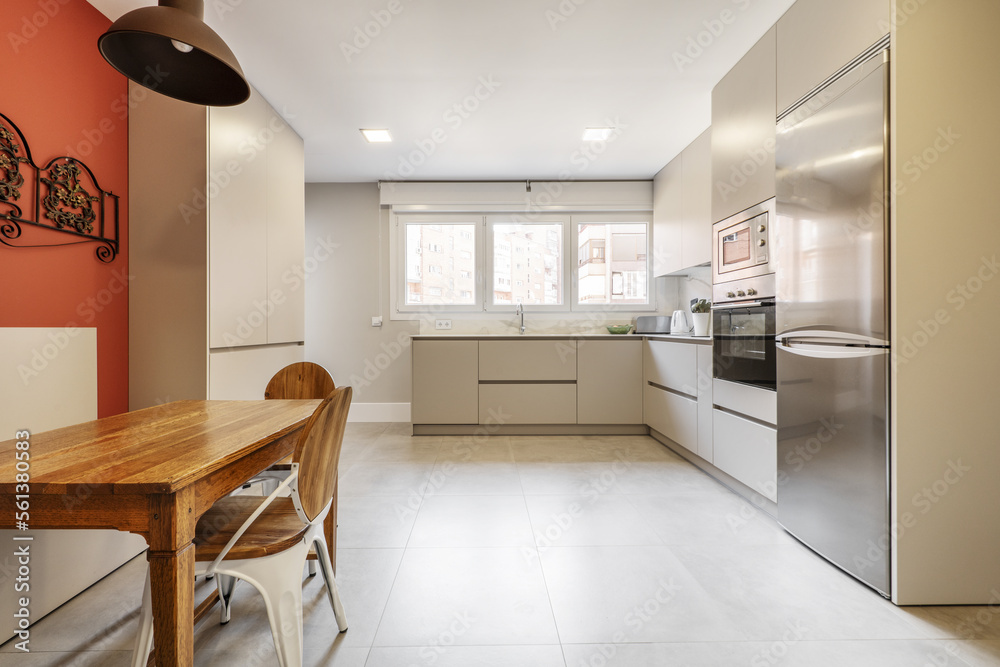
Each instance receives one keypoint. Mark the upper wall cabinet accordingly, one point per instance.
(818, 37)
(668, 221)
(682, 209)
(743, 124)
(256, 227)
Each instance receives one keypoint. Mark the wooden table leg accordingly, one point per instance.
(172, 586)
(171, 572)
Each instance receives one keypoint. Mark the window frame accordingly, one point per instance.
(611, 219)
(483, 277)
(547, 219)
(397, 262)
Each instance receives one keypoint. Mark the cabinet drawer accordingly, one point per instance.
(747, 451)
(527, 359)
(672, 415)
(527, 404)
(673, 365)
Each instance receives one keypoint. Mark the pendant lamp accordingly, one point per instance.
(170, 49)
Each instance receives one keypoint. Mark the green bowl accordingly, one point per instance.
(619, 328)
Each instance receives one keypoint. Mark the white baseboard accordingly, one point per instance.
(379, 412)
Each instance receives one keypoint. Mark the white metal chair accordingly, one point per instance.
(265, 541)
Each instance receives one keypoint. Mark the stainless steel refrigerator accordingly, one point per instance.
(832, 322)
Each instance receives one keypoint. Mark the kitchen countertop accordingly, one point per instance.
(701, 340)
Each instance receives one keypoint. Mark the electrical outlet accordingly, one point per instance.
(442, 324)
(377, 321)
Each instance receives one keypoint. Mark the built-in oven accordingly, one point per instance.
(743, 332)
(742, 247)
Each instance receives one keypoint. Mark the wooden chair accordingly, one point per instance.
(300, 380)
(265, 540)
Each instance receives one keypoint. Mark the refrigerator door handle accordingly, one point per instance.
(828, 337)
(832, 351)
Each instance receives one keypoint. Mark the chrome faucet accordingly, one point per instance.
(520, 311)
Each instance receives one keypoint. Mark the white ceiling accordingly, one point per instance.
(560, 66)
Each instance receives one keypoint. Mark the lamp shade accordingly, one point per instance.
(173, 52)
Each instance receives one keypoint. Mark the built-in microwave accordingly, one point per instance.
(742, 248)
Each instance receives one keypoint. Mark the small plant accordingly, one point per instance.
(702, 306)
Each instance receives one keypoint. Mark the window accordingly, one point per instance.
(544, 241)
(553, 262)
(612, 266)
(430, 276)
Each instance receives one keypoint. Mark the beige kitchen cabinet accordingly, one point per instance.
(206, 254)
(668, 218)
(682, 209)
(237, 237)
(527, 403)
(670, 390)
(286, 231)
(697, 229)
(672, 414)
(445, 382)
(527, 381)
(609, 381)
(671, 364)
(747, 450)
(815, 38)
(547, 359)
(743, 131)
(256, 226)
(705, 427)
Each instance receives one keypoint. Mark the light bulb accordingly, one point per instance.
(181, 46)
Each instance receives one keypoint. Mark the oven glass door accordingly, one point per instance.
(743, 345)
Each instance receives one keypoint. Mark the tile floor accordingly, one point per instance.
(547, 552)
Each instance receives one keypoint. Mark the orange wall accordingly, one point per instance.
(66, 100)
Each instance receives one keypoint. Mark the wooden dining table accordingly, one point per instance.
(153, 472)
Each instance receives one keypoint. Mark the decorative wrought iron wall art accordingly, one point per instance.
(63, 196)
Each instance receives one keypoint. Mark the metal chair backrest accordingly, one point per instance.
(303, 379)
(318, 452)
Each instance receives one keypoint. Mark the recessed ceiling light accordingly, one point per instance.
(597, 133)
(377, 136)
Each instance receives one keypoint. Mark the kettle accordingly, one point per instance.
(679, 323)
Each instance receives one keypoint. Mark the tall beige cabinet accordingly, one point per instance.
(944, 535)
(217, 199)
